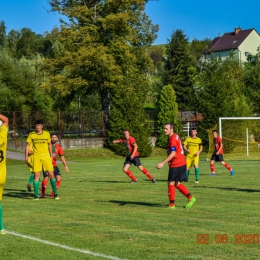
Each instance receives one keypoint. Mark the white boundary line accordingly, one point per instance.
(63, 246)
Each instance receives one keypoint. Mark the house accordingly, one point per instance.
(241, 42)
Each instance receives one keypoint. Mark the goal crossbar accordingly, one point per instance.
(233, 118)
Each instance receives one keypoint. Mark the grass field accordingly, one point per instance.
(101, 215)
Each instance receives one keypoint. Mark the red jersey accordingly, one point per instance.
(129, 143)
(217, 143)
(56, 150)
(175, 145)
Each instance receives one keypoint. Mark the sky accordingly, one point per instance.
(197, 19)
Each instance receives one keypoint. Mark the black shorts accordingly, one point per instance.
(177, 174)
(217, 158)
(56, 172)
(135, 161)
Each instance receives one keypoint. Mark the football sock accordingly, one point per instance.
(187, 174)
(44, 185)
(130, 175)
(184, 191)
(227, 166)
(57, 184)
(1, 218)
(197, 173)
(212, 168)
(31, 178)
(36, 185)
(53, 185)
(145, 171)
(171, 194)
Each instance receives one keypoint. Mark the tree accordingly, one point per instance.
(127, 112)
(168, 112)
(197, 46)
(104, 42)
(252, 81)
(180, 70)
(157, 55)
(2, 34)
(220, 88)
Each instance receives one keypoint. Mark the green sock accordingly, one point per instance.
(53, 185)
(36, 185)
(31, 178)
(1, 218)
(197, 173)
(187, 174)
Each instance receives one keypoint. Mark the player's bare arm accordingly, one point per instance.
(64, 163)
(185, 148)
(4, 120)
(27, 149)
(169, 158)
(116, 141)
(220, 148)
(134, 150)
(200, 150)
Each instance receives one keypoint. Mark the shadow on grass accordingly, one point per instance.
(139, 181)
(123, 203)
(15, 193)
(228, 188)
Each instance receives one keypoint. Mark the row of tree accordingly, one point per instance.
(103, 57)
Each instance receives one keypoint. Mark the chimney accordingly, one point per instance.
(237, 30)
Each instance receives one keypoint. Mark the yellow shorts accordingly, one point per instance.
(192, 159)
(2, 180)
(42, 163)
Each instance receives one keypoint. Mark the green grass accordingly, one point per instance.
(101, 211)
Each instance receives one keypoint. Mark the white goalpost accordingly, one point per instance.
(237, 118)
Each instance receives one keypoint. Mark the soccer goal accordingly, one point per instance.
(240, 134)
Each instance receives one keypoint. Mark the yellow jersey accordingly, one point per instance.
(40, 143)
(3, 147)
(193, 144)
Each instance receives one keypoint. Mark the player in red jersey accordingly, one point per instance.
(218, 154)
(133, 156)
(177, 167)
(56, 150)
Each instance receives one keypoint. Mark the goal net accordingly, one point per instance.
(240, 136)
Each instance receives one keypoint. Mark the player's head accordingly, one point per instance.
(126, 133)
(169, 129)
(54, 138)
(193, 131)
(39, 125)
(214, 133)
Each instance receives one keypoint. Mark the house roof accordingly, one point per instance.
(229, 41)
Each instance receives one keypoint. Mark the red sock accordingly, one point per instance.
(184, 191)
(130, 175)
(227, 166)
(44, 185)
(171, 194)
(145, 171)
(57, 184)
(212, 168)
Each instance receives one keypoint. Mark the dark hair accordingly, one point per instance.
(39, 122)
(214, 131)
(171, 125)
(52, 134)
(126, 130)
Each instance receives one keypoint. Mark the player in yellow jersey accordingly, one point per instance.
(192, 145)
(3, 146)
(42, 154)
